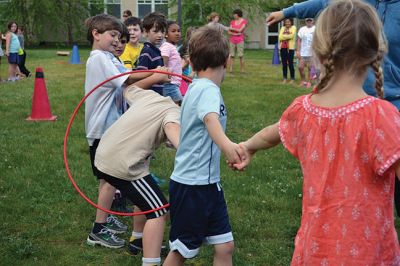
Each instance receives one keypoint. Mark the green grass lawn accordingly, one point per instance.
(45, 222)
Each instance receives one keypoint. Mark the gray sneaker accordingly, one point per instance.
(105, 238)
(115, 226)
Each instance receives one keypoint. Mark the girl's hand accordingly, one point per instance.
(245, 156)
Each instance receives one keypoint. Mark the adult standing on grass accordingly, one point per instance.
(304, 51)
(236, 41)
(12, 48)
(287, 37)
(388, 11)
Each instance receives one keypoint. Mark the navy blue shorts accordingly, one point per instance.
(198, 215)
(13, 58)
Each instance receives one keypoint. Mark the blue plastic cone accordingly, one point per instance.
(75, 55)
(275, 57)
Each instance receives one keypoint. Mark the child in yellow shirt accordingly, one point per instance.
(133, 48)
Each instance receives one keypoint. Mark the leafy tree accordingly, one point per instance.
(194, 12)
(44, 19)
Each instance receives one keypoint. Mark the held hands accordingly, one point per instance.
(241, 157)
(163, 78)
(234, 155)
(274, 17)
(245, 157)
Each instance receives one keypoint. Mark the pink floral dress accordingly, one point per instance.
(346, 154)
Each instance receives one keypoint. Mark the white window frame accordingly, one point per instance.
(105, 3)
(153, 4)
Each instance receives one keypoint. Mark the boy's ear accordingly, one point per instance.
(95, 34)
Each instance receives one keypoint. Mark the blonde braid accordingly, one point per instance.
(376, 66)
(329, 71)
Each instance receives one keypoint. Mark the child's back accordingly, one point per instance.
(202, 97)
(198, 209)
(345, 153)
(347, 146)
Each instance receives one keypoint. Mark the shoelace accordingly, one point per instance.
(112, 236)
(112, 219)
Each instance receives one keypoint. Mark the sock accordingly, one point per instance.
(151, 261)
(135, 235)
(97, 227)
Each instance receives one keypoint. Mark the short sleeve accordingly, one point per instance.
(385, 137)
(209, 102)
(109, 70)
(165, 50)
(300, 33)
(288, 126)
(172, 115)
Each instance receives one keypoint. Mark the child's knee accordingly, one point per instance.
(225, 249)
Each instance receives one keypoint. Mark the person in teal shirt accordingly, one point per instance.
(12, 48)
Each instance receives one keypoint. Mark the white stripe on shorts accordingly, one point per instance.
(152, 196)
(149, 195)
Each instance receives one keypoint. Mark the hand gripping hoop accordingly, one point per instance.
(69, 128)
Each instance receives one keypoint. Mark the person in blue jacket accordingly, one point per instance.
(389, 13)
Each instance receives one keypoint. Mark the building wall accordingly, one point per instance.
(130, 5)
(255, 33)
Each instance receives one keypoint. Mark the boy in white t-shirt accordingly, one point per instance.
(104, 32)
(304, 52)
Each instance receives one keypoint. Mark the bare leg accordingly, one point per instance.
(231, 62)
(12, 71)
(174, 258)
(301, 70)
(223, 254)
(138, 221)
(106, 194)
(241, 64)
(153, 235)
(309, 72)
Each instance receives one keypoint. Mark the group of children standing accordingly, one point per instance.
(348, 170)
(123, 132)
(14, 51)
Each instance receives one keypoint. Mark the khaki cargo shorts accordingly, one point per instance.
(238, 47)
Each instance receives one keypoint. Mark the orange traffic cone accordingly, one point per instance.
(40, 102)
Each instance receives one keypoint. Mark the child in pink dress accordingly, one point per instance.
(347, 145)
